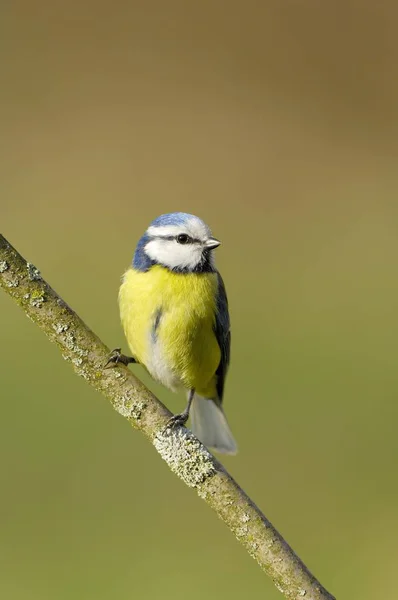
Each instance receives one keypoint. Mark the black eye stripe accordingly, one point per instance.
(174, 237)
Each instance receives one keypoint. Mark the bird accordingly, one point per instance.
(174, 312)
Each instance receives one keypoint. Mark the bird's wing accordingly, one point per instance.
(223, 335)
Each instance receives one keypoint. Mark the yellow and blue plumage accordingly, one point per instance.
(174, 313)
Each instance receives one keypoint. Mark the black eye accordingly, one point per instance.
(183, 238)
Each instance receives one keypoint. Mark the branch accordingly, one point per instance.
(184, 454)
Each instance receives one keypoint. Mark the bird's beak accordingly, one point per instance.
(212, 243)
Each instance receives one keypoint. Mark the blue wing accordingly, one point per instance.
(223, 335)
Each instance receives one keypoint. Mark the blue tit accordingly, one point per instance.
(174, 312)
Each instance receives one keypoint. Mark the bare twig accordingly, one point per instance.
(185, 455)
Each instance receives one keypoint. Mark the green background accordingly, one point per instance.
(277, 123)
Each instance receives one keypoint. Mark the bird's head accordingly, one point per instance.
(177, 241)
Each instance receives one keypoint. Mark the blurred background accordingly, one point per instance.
(277, 123)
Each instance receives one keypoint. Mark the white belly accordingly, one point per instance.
(159, 368)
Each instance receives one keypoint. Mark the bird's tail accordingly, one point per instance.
(210, 426)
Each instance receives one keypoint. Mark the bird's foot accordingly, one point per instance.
(179, 419)
(183, 417)
(117, 357)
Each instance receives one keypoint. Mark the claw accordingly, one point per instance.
(175, 420)
(116, 357)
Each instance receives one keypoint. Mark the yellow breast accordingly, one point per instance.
(168, 319)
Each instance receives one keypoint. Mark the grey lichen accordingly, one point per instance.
(227, 500)
(242, 531)
(12, 283)
(3, 266)
(83, 373)
(37, 298)
(123, 406)
(185, 455)
(137, 408)
(77, 355)
(71, 344)
(279, 586)
(126, 407)
(70, 341)
(60, 327)
(203, 494)
(33, 272)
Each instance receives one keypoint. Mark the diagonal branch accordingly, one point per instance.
(185, 455)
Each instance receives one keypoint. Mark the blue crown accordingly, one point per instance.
(176, 218)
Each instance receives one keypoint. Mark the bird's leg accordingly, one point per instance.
(116, 357)
(182, 418)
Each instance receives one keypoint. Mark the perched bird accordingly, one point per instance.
(174, 312)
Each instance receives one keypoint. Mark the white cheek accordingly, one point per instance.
(173, 255)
